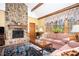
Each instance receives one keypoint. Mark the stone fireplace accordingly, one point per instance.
(16, 23)
(16, 34)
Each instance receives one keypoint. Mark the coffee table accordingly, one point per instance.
(43, 43)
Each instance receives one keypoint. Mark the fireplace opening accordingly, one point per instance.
(2, 36)
(1, 30)
(18, 34)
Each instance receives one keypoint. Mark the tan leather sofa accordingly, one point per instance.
(57, 39)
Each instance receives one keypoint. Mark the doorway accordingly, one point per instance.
(32, 32)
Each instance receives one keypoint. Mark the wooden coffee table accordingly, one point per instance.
(43, 43)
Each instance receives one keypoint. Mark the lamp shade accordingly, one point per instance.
(75, 28)
(40, 29)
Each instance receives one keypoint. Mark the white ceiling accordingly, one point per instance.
(46, 8)
(2, 6)
(31, 5)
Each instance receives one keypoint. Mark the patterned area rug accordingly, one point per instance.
(16, 51)
(25, 50)
(22, 50)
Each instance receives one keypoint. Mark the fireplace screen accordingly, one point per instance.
(18, 34)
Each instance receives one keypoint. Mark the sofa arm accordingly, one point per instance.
(65, 40)
(44, 38)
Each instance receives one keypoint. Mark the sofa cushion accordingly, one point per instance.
(73, 44)
(53, 36)
(49, 39)
(56, 46)
(49, 35)
(64, 40)
(58, 42)
(60, 36)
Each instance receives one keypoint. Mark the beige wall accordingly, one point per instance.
(39, 23)
(32, 20)
(42, 23)
(2, 18)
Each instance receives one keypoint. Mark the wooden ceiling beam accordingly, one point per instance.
(38, 5)
(61, 10)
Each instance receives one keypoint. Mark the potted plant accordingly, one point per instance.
(57, 29)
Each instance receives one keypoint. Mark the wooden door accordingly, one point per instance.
(32, 32)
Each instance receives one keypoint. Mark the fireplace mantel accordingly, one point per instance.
(17, 26)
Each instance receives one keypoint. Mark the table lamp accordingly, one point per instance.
(75, 29)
